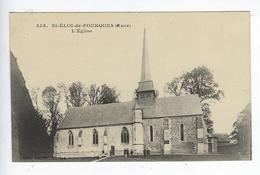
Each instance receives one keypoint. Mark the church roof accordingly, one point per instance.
(121, 113)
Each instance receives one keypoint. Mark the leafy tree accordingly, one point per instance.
(198, 81)
(77, 94)
(206, 117)
(101, 95)
(51, 100)
(108, 95)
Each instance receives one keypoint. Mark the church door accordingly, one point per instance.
(112, 150)
(210, 147)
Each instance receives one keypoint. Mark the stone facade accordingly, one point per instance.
(110, 136)
(189, 140)
(189, 145)
(87, 148)
(156, 145)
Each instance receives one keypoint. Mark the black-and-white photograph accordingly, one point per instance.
(112, 87)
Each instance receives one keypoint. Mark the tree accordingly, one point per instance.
(93, 95)
(241, 133)
(34, 93)
(29, 138)
(206, 117)
(234, 135)
(199, 81)
(108, 95)
(77, 94)
(64, 90)
(51, 99)
(101, 95)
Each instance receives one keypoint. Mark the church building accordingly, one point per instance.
(168, 125)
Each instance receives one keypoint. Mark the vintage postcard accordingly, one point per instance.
(157, 86)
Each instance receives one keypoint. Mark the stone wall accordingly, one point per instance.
(177, 146)
(87, 148)
(156, 145)
(190, 134)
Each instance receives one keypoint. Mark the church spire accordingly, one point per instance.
(145, 71)
(146, 82)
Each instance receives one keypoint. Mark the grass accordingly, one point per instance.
(175, 158)
(216, 157)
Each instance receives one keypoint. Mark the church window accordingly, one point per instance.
(105, 132)
(80, 133)
(71, 139)
(80, 138)
(125, 135)
(95, 137)
(182, 132)
(151, 133)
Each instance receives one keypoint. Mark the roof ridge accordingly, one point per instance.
(184, 95)
(107, 104)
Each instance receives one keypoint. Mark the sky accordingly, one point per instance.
(176, 42)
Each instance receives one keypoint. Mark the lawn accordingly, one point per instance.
(175, 158)
(212, 157)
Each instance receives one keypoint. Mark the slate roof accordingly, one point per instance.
(145, 86)
(121, 113)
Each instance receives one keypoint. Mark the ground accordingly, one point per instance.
(148, 158)
(175, 158)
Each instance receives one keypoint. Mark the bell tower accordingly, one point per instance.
(145, 91)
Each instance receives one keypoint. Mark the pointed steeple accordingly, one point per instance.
(146, 82)
(145, 71)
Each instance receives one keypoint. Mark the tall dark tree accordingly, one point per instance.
(29, 138)
(77, 94)
(101, 95)
(51, 99)
(241, 133)
(198, 81)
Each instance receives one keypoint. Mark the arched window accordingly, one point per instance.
(95, 137)
(80, 133)
(105, 132)
(80, 138)
(125, 135)
(71, 139)
(182, 132)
